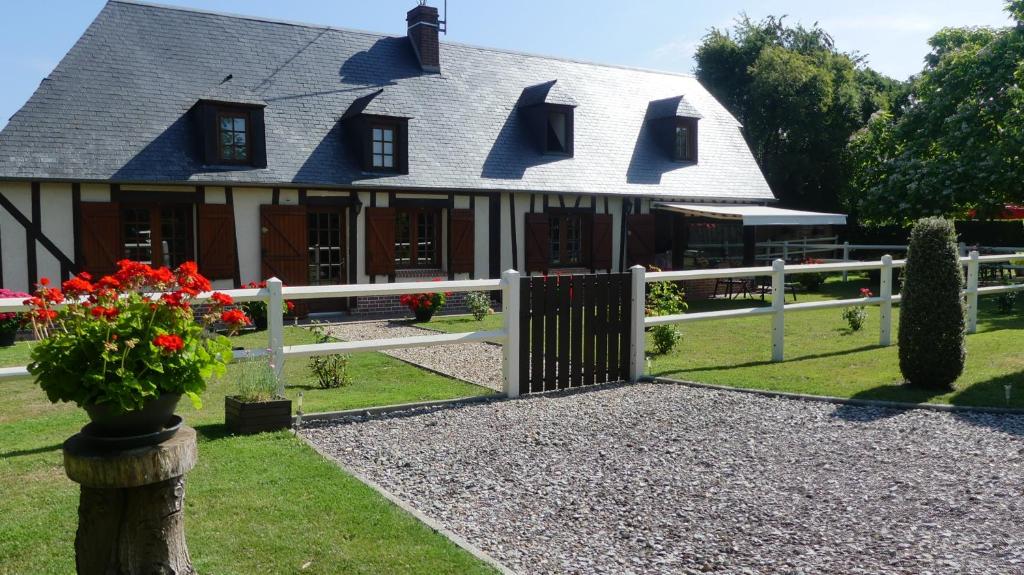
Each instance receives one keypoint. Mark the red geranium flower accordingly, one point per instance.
(106, 312)
(234, 317)
(865, 292)
(169, 343)
(78, 285)
(222, 298)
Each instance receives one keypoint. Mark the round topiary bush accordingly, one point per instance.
(931, 333)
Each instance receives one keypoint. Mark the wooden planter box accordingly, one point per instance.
(245, 418)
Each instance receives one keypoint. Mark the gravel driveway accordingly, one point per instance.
(478, 363)
(659, 478)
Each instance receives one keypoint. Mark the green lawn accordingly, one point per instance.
(823, 357)
(258, 504)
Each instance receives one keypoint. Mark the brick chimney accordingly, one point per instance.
(423, 31)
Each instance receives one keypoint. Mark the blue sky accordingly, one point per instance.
(660, 34)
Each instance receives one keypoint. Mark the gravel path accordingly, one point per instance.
(658, 478)
(478, 363)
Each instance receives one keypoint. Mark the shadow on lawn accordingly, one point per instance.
(23, 452)
(988, 393)
(767, 362)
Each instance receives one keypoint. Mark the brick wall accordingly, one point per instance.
(390, 305)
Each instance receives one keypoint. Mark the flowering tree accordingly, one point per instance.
(115, 341)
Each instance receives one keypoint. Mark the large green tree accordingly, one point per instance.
(798, 98)
(955, 143)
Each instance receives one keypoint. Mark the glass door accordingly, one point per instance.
(326, 245)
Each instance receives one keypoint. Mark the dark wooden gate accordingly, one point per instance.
(573, 331)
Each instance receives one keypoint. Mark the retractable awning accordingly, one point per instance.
(755, 215)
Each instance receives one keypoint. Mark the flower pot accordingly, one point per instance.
(152, 418)
(7, 338)
(423, 314)
(247, 417)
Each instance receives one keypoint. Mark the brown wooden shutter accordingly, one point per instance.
(462, 238)
(538, 242)
(601, 242)
(640, 239)
(100, 239)
(283, 243)
(380, 241)
(216, 240)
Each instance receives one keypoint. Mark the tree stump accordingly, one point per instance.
(131, 517)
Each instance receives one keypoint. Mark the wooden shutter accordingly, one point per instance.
(100, 239)
(216, 240)
(462, 238)
(283, 243)
(257, 139)
(640, 239)
(601, 242)
(380, 241)
(538, 242)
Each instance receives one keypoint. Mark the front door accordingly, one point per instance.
(326, 261)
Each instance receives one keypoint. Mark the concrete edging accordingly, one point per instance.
(370, 411)
(940, 407)
(435, 526)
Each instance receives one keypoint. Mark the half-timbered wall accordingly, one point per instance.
(38, 223)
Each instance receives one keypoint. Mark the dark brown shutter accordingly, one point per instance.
(402, 147)
(601, 242)
(208, 132)
(283, 243)
(258, 138)
(216, 240)
(380, 241)
(640, 239)
(538, 242)
(462, 238)
(100, 238)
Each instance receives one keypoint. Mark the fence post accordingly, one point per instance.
(785, 250)
(275, 328)
(961, 249)
(885, 308)
(846, 258)
(972, 292)
(510, 351)
(638, 300)
(779, 305)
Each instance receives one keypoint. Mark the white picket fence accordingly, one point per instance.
(778, 308)
(276, 293)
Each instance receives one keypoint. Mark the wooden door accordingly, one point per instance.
(283, 246)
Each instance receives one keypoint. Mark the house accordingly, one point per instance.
(326, 156)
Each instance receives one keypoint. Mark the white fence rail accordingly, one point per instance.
(778, 309)
(275, 295)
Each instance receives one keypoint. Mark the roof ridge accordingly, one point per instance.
(149, 4)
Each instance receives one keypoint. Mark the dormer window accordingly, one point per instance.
(232, 137)
(376, 138)
(672, 123)
(547, 113)
(231, 134)
(383, 146)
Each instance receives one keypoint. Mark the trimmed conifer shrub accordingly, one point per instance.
(931, 332)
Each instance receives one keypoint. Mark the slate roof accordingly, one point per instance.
(115, 109)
